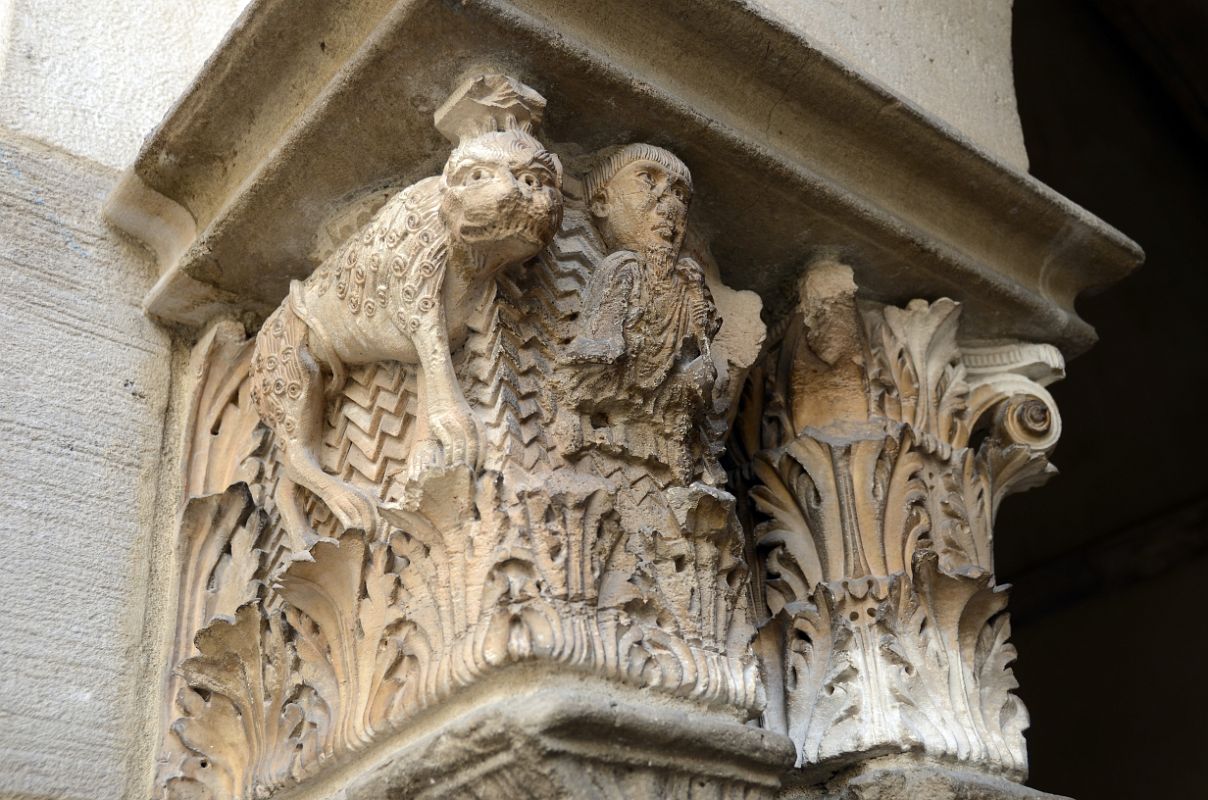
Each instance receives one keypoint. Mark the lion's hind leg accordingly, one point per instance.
(290, 383)
(291, 505)
(272, 382)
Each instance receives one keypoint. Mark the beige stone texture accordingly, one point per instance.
(408, 287)
(572, 739)
(141, 55)
(951, 58)
(878, 507)
(83, 395)
(94, 79)
(895, 778)
(351, 575)
(349, 566)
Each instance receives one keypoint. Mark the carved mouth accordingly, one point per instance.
(532, 230)
(665, 229)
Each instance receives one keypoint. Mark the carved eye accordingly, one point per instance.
(646, 178)
(477, 175)
(530, 180)
(680, 193)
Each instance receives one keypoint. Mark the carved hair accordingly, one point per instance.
(611, 160)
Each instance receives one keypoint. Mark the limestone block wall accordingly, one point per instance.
(84, 384)
(95, 78)
(85, 380)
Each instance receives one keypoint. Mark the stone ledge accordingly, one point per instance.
(793, 154)
(529, 733)
(906, 779)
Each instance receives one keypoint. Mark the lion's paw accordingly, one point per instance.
(459, 436)
(354, 509)
(427, 454)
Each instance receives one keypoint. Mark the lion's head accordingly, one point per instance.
(502, 196)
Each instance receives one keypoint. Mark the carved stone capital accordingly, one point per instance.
(465, 370)
(481, 437)
(885, 446)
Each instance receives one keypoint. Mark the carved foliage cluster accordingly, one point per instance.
(881, 453)
(290, 656)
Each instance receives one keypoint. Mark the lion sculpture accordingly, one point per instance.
(402, 289)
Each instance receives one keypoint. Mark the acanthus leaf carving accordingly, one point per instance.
(465, 498)
(343, 605)
(249, 724)
(885, 445)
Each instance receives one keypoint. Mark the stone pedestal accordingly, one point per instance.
(540, 443)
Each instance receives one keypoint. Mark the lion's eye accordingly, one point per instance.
(477, 174)
(530, 180)
(647, 178)
(680, 194)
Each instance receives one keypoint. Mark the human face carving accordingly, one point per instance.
(644, 207)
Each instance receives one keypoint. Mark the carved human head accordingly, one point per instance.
(502, 195)
(826, 299)
(639, 195)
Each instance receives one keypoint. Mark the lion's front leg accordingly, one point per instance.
(443, 406)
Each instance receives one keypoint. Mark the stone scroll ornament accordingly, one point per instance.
(878, 447)
(485, 431)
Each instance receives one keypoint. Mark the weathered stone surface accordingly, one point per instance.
(915, 47)
(141, 59)
(789, 143)
(539, 487)
(484, 433)
(84, 383)
(407, 288)
(95, 83)
(905, 780)
(878, 500)
(564, 742)
(521, 462)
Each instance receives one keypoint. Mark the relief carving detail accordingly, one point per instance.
(485, 431)
(879, 447)
(641, 353)
(488, 430)
(403, 290)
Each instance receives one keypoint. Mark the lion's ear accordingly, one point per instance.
(557, 169)
(599, 204)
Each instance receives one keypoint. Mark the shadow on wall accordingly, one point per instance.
(1109, 559)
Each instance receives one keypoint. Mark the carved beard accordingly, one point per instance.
(660, 258)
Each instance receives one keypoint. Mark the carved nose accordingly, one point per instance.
(502, 195)
(515, 184)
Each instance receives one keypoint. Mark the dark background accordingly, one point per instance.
(1110, 559)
